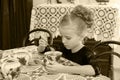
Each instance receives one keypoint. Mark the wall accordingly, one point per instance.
(36, 2)
(117, 48)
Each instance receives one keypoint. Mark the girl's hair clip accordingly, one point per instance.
(84, 13)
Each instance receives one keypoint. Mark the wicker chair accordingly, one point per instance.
(104, 60)
(35, 41)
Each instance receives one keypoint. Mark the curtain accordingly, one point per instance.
(14, 21)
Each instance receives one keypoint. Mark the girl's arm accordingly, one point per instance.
(79, 69)
(82, 70)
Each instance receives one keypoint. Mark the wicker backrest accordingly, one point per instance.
(104, 59)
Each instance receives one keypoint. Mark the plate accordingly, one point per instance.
(23, 57)
(10, 65)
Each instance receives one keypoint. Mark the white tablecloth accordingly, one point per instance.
(38, 72)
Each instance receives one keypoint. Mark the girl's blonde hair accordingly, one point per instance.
(79, 15)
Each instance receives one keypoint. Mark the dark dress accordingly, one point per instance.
(82, 57)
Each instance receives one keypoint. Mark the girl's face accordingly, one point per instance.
(70, 38)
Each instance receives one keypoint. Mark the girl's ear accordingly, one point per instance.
(81, 37)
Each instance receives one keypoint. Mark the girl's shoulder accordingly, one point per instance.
(87, 52)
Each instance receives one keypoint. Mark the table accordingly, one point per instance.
(37, 71)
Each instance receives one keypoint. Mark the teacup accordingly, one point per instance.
(52, 56)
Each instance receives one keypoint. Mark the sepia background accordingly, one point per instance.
(17, 17)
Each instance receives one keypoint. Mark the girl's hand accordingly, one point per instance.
(55, 67)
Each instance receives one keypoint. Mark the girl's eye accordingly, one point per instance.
(68, 38)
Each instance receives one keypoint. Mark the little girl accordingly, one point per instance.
(73, 29)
